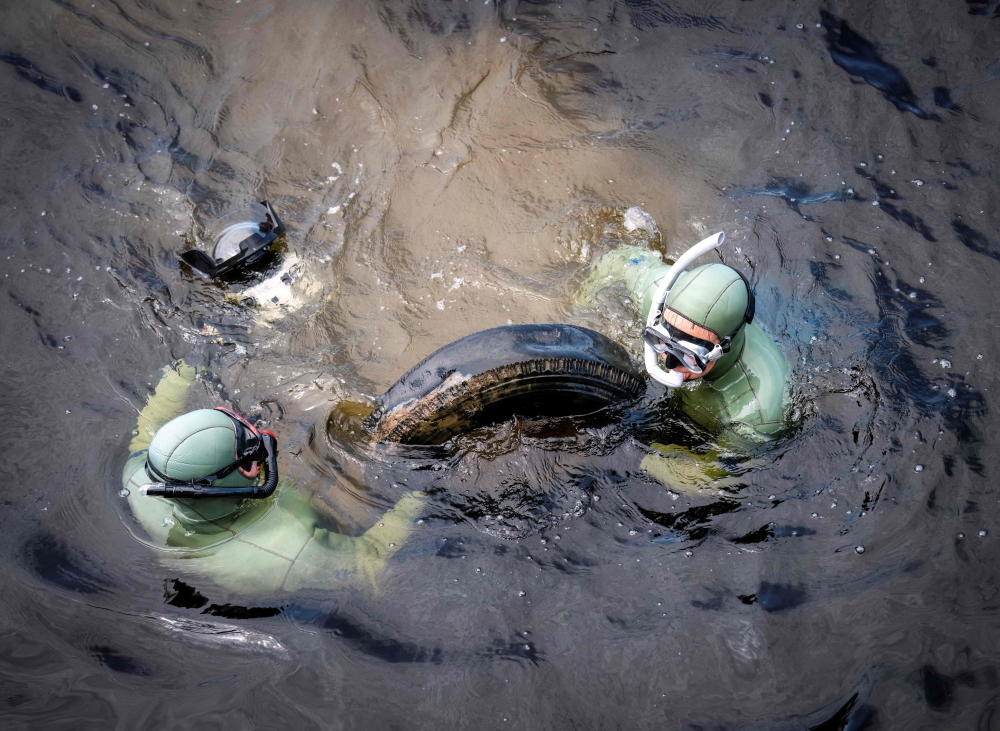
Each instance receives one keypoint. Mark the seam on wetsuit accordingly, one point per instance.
(740, 395)
(723, 292)
(760, 410)
(289, 569)
(688, 284)
(166, 462)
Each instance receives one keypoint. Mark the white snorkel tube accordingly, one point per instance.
(673, 378)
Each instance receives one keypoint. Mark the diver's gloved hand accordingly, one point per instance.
(684, 471)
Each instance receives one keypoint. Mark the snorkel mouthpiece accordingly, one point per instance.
(250, 249)
(673, 378)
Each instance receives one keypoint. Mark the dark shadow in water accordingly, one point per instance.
(44, 336)
(395, 651)
(903, 382)
(771, 531)
(779, 597)
(850, 714)
(858, 57)
(795, 193)
(235, 611)
(972, 239)
(648, 14)
(939, 690)
(115, 661)
(942, 98)
(49, 559)
(909, 219)
(693, 524)
(987, 8)
(27, 71)
(178, 594)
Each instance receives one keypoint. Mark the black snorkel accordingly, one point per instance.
(204, 488)
(251, 248)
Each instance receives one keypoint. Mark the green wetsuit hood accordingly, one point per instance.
(193, 446)
(716, 297)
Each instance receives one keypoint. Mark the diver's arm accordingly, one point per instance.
(167, 402)
(637, 267)
(682, 470)
(382, 540)
(386, 536)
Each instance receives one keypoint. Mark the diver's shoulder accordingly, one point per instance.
(766, 369)
(135, 462)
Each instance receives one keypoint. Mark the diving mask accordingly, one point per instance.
(690, 352)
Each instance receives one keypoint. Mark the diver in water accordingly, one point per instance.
(192, 483)
(700, 339)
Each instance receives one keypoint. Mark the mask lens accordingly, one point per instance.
(690, 355)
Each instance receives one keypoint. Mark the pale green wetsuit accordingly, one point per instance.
(744, 398)
(253, 546)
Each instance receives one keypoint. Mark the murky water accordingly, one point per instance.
(453, 166)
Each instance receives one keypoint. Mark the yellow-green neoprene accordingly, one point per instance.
(258, 547)
(745, 396)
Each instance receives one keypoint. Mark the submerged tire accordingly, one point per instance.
(493, 375)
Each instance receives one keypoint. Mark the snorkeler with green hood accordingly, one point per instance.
(204, 486)
(700, 340)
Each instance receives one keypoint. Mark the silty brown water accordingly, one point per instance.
(448, 167)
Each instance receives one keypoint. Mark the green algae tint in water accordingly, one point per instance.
(449, 167)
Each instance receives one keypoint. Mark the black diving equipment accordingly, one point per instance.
(251, 248)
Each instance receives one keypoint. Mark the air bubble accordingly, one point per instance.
(983, 533)
(689, 554)
(522, 593)
(918, 468)
(815, 515)
(859, 549)
(123, 492)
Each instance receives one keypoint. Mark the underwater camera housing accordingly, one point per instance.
(250, 248)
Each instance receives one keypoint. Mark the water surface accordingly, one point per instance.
(445, 167)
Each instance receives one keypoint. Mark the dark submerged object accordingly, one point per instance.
(251, 248)
(493, 375)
